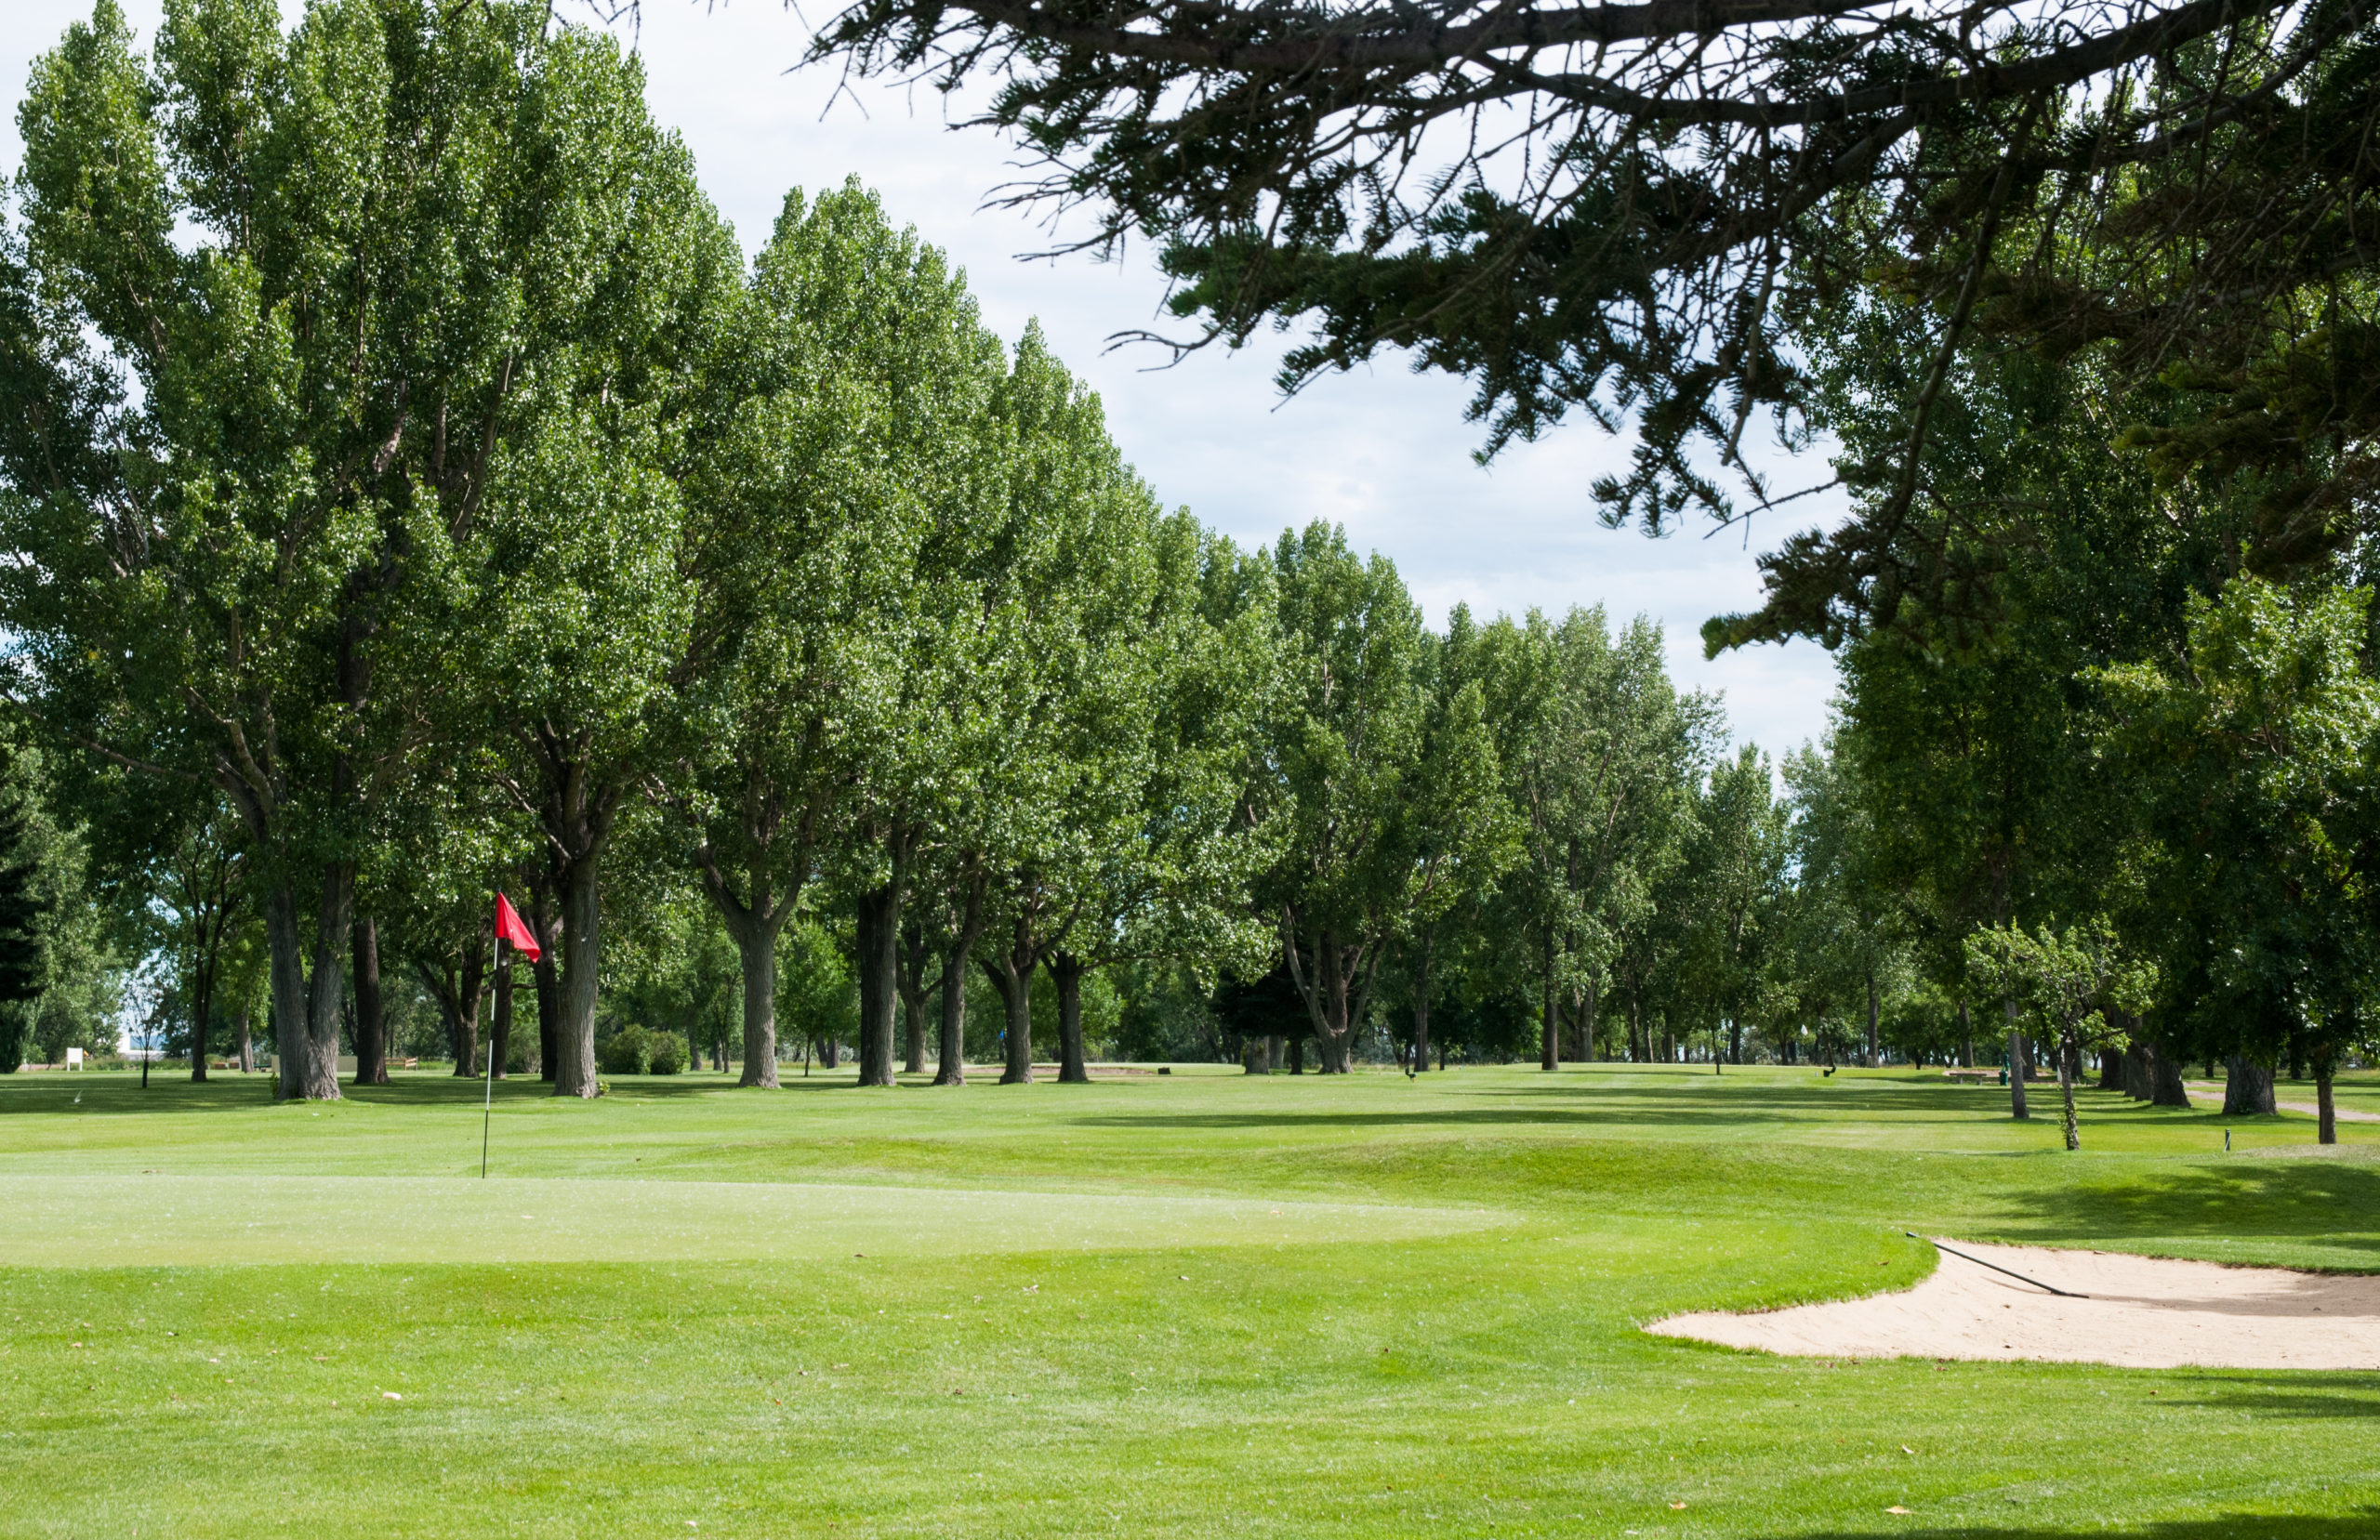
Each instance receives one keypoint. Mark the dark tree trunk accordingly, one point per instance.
(2326, 1112)
(2070, 1069)
(911, 961)
(1966, 1037)
(1066, 972)
(1549, 1055)
(1010, 971)
(199, 1008)
(1638, 1048)
(758, 953)
(546, 973)
(499, 1032)
(1875, 1050)
(1421, 1059)
(2247, 1091)
(2018, 1065)
(1297, 1056)
(371, 1020)
(830, 1053)
(913, 1034)
(2165, 1076)
(2110, 1070)
(306, 1009)
(877, 933)
(2139, 1080)
(582, 951)
(951, 1067)
(202, 1012)
(247, 1044)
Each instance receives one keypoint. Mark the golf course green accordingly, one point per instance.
(1200, 1303)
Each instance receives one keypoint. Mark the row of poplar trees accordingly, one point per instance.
(413, 492)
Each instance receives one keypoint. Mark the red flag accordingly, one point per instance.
(508, 927)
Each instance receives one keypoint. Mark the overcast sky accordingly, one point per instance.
(1382, 452)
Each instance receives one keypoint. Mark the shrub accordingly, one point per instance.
(623, 1052)
(667, 1054)
(521, 1048)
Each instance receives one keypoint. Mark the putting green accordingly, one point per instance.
(159, 1219)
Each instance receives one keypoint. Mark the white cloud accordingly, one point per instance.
(1380, 451)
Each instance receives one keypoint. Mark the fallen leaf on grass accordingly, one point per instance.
(390, 1395)
(1897, 1508)
(1906, 1450)
(1677, 1504)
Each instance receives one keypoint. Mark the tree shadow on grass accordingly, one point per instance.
(2361, 1525)
(2336, 1201)
(2336, 1395)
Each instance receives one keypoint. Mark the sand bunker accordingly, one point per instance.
(2142, 1313)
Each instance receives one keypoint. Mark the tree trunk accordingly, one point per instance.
(878, 931)
(2247, 1090)
(1066, 972)
(2017, 1065)
(1297, 1055)
(499, 1032)
(830, 1053)
(2165, 1076)
(1875, 1051)
(197, 1034)
(911, 974)
(1421, 1012)
(2326, 1115)
(1549, 1053)
(2139, 1079)
(912, 1032)
(247, 1044)
(582, 921)
(1590, 1003)
(371, 1020)
(546, 972)
(757, 949)
(202, 1012)
(950, 1068)
(1966, 1037)
(2110, 1070)
(307, 1009)
(1011, 973)
(2069, 1063)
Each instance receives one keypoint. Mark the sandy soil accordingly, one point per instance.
(2142, 1313)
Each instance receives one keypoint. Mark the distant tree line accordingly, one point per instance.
(415, 494)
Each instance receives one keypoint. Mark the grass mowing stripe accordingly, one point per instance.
(120, 1221)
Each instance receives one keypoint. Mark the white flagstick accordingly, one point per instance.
(488, 1107)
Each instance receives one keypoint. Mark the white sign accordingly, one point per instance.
(73, 1059)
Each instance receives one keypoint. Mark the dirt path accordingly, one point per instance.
(2214, 1089)
(2142, 1313)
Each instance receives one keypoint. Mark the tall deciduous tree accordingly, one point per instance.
(2260, 747)
(314, 304)
(1345, 734)
(855, 399)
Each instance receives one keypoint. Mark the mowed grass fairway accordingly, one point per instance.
(1199, 1305)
